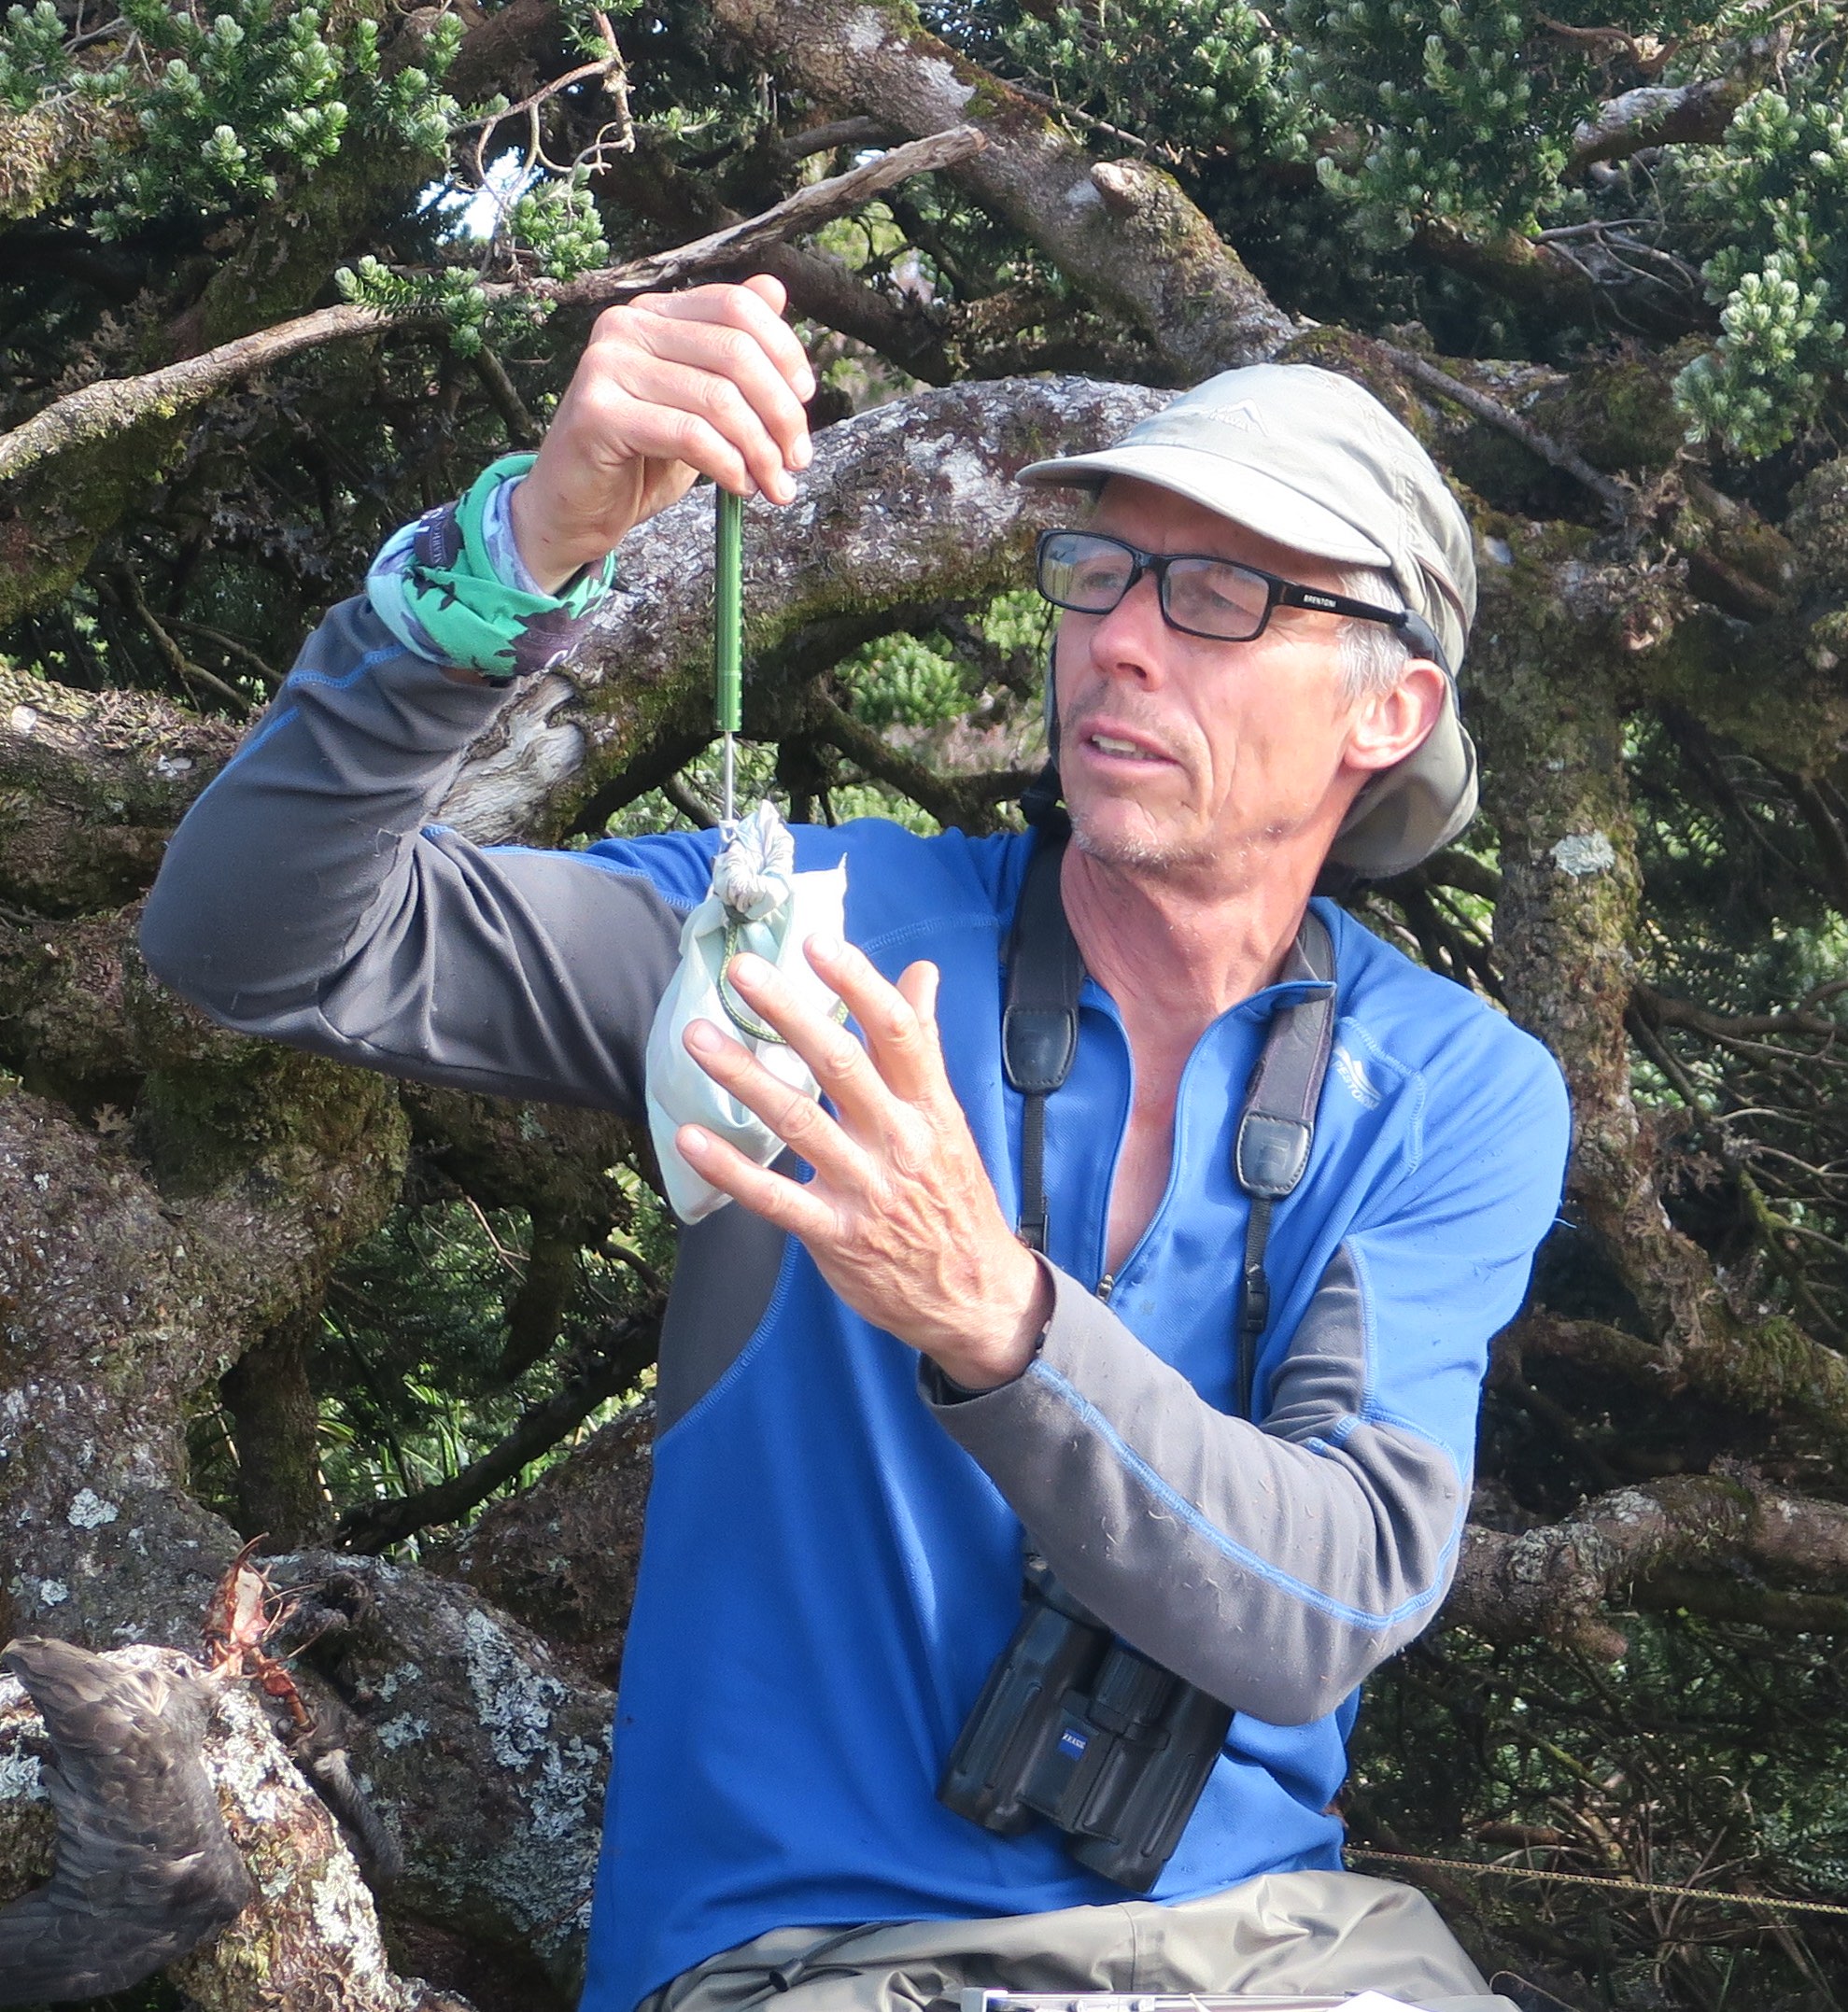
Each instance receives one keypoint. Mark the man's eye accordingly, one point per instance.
(1214, 589)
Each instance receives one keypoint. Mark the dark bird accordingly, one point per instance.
(144, 1869)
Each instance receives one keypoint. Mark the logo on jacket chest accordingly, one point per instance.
(1352, 1072)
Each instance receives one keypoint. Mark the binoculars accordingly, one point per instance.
(1076, 1729)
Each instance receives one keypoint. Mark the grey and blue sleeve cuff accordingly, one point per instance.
(1272, 1567)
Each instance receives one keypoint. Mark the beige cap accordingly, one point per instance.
(1314, 461)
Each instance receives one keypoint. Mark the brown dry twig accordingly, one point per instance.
(610, 70)
(1616, 497)
(99, 411)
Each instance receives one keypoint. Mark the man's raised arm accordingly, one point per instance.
(305, 896)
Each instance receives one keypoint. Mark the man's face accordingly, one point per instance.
(1178, 752)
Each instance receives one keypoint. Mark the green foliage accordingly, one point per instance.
(1446, 92)
(1017, 622)
(224, 113)
(584, 21)
(558, 223)
(1458, 109)
(1713, 1754)
(1118, 63)
(551, 229)
(32, 55)
(1463, 113)
(900, 681)
(1775, 195)
(452, 295)
(411, 1336)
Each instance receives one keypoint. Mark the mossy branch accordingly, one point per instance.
(1656, 115)
(967, 801)
(1559, 1581)
(90, 786)
(1617, 498)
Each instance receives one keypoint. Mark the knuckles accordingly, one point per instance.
(840, 1055)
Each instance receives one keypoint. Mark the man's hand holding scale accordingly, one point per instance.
(900, 1214)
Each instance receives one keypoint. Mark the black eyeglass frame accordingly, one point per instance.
(1279, 593)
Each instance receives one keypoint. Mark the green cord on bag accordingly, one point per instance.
(728, 637)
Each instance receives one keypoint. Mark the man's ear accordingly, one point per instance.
(1389, 725)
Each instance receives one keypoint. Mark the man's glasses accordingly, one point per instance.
(1217, 599)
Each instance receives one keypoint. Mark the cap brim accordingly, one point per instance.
(1415, 807)
(1247, 495)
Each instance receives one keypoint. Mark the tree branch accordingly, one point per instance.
(857, 131)
(1556, 648)
(182, 667)
(649, 184)
(1122, 231)
(523, 429)
(562, 1555)
(1533, 275)
(1556, 1580)
(1658, 115)
(1602, 276)
(232, 646)
(1665, 1011)
(1617, 498)
(539, 1427)
(90, 786)
(964, 801)
(92, 414)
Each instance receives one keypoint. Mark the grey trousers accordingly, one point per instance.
(1313, 1935)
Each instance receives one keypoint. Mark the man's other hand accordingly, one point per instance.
(901, 1216)
(671, 387)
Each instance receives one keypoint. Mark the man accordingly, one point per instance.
(872, 1393)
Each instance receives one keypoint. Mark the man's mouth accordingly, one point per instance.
(1120, 749)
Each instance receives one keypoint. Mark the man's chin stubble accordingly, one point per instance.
(1138, 853)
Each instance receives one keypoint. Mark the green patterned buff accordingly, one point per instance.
(470, 616)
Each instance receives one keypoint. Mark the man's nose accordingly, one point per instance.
(1131, 640)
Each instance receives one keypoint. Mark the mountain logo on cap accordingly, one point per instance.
(1244, 415)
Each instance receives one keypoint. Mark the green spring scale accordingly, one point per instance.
(728, 715)
(728, 641)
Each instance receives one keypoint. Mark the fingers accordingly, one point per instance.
(780, 1200)
(898, 1022)
(724, 382)
(708, 382)
(757, 308)
(797, 1120)
(918, 984)
(901, 1057)
(724, 355)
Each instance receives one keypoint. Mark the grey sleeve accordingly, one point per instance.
(1273, 1566)
(304, 898)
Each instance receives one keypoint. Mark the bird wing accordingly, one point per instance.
(144, 1869)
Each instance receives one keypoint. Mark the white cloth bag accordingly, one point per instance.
(758, 903)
